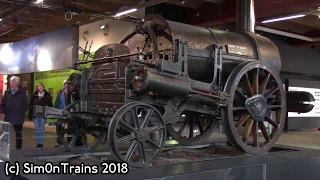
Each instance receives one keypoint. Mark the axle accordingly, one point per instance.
(54, 113)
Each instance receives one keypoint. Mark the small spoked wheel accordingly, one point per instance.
(75, 136)
(136, 134)
(257, 104)
(192, 128)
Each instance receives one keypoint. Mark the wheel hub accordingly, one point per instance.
(257, 107)
(142, 135)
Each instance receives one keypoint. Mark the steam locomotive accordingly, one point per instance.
(165, 75)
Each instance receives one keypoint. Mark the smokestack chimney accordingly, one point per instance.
(245, 15)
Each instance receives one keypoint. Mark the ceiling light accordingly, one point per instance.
(39, 1)
(126, 12)
(0, 19)
(284, 18)
(102, 26)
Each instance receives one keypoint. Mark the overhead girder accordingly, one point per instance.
(211, 14)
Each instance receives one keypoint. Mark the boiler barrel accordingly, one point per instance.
(244, 44)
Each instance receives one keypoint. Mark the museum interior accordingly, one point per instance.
(160, 89)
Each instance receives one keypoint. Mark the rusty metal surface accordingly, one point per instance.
(108, 80)
(247, 45)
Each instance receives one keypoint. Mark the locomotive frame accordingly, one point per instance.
(149, 91)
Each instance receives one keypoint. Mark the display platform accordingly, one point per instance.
(206, 162)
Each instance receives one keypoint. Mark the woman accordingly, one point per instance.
(42, 98)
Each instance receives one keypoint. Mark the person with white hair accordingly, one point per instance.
(14, 105)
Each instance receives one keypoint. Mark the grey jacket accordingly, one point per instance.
(14, 106)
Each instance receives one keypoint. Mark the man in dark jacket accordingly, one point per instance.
(14, 105)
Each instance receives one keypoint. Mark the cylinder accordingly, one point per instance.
(150, 80)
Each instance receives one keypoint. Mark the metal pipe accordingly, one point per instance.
(245, 15)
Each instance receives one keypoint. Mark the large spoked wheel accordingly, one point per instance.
(192, 128)
(75, 136)
(136, 134)
(257, 101)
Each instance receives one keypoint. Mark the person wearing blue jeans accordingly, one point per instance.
(61, 103)
(39, 124)
(42, 98)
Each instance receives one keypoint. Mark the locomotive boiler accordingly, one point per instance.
(167, 74)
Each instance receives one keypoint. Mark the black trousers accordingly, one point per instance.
(60, 128)
(18, 131)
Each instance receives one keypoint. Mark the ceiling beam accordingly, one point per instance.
(287, 34)
(2, 16)
(211, 15)
(59, 7)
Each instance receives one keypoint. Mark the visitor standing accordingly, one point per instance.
(14, 105)
(42, 98)
(61, 104)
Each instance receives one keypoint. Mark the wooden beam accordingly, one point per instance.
(97, 6)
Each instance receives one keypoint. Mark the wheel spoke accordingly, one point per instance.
(255, 81)
(127, 126)
(248, 86)
(241, 94)
(191, 128)
(95, 135)
(271, 92)
(269, 120)
(85, 140)
(147, 118)
(247, 130)
(185, 122)
(255, 134)
(125, 139)
(264, 84)
(74, 139)
(131, 149)
(242, 120)
(264, 131)
(154, 129)
(200, 126)
(151, 143)
(239, 108)
(135, 118)
(142, 153)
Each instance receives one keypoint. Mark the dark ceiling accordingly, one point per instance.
(22, 19)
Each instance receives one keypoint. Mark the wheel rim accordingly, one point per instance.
(77, 134)
(188, 123)
(138, 149)
(256, 92)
